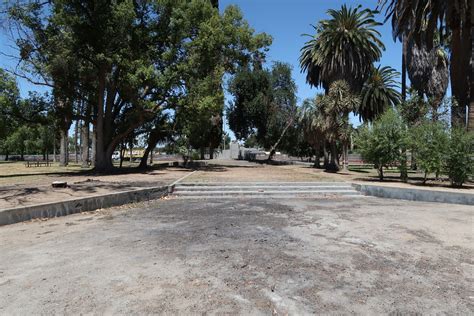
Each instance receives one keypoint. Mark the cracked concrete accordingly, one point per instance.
(363, 256)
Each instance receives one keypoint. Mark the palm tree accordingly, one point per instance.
(428, 72)
(336, 106)
(420, 19)
(379, 93)
(343, 48)
(311, 119)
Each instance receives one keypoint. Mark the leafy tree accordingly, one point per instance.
(219, 45)
(9, 98)
(431, 141)
(379, 93)
(383, 141)
(459, 163)
(311, 121)
(264, 105)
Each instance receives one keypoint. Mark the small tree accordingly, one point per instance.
(430, 140)
(459, 162)
(382, 142)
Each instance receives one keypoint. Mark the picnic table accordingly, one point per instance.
(37, 163)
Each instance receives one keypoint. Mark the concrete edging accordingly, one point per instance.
(416, 194)
(91, 203)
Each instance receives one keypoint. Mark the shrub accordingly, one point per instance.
(430, 141)
(383, 142)
(459, 162)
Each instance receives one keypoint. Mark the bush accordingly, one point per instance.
(459, 162)
(383, 142)
(430, 141)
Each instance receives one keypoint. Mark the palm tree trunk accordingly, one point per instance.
(326, 156)
(459, 75)
(404, 68)
(470, 121)
(317, 158)
(334, 165)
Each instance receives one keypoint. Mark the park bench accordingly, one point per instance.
(37, 163)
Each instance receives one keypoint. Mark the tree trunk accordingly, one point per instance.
(317, 158)
(143, 161)
(380, 171)
(274, 147)
(345, 156)
(131, 152)
(54, 148)
(94, 144)
(63, 148)
(85, 144)
(404, 68)
(333, 165)
(326, 156)
(76, 141)
(470, 119)
(102, 162)
(151, 157)
(202, 153)
(211, 153)
(404, 167)
(122, 153)
(460, 49)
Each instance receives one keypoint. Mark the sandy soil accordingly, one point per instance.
(226, 171)
(82, 185)
(331, 256)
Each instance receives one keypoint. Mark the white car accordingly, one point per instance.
(116, 156)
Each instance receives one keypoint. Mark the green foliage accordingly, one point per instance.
(379, 93)
(459, 162)
(344, 47)
(382, 142)
(264, 104)
(430, 141)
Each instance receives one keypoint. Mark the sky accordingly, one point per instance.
(285, 21)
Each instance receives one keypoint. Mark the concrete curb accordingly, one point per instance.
(172, 185)
(416, 194)
(91, 203)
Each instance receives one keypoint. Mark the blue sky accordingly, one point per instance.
(285, 21)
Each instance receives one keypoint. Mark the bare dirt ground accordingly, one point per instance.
(243, 171)
(337, 256)
(21, 186)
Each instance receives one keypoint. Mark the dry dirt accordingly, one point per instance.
(242, 171)
(28, 186)
(172, 256)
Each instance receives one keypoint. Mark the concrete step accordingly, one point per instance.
(266, 197)
(261, 188)
(276, 184)
(264, 190)
(266, 193)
